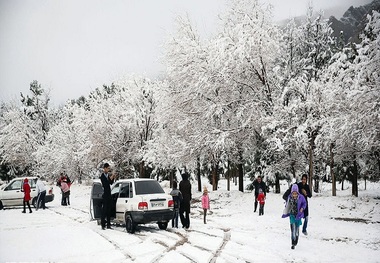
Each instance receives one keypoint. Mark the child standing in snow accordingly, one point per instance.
(177, 199)
(205, 203)
(261, 200)
(294, 209)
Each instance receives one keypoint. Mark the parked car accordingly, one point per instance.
(135, 201)
(11, 194)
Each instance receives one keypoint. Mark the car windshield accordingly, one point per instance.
(148, 187)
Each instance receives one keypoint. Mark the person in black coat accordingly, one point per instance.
(304, 189)
(107, 180)
(185, 188)
(259, 184)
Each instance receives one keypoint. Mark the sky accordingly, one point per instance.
(233, 233)
(72, 47)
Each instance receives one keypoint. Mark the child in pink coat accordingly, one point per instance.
(205, 203)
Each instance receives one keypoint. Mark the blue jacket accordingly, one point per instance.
(301, 203)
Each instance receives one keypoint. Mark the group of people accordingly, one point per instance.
(296, 207)
(64, 183)
(182, 198)
(41, 194)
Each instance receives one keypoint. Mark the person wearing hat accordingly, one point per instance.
(26, 190)
(205, 203)
(294, 209)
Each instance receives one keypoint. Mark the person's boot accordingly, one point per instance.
(255, 208)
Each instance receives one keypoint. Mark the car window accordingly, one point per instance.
(16, 185)
(97, 190)
(125, 191)
(148, 187)
(115, 189)
(32, 183)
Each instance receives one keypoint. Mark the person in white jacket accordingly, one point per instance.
(41, 191)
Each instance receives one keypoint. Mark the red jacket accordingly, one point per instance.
(261, 198)
(26, 188)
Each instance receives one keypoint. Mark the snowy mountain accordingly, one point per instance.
(353, 21)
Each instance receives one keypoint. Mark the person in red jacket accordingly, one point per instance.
(261, 201)
(26, 189)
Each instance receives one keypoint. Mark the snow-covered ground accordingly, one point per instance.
(341, 229)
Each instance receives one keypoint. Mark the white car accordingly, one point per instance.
(11, 194)
(135, 201)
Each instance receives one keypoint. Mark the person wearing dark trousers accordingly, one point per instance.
(41, 191)
(184, 210)
(304, 189)
(259, 184)
(107, 180)
(26, 190)
(177, 199)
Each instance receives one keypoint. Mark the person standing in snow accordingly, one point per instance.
(185, 188)
(294, 209)
(65, 192)
(261, 200)
(177, 199)
(26, 190)
(306, 192)
(205, 203)
(107, 180)
(41, 192)
(258, 184)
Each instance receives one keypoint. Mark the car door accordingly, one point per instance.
(96, 200)
(12, 194)
(124, 199)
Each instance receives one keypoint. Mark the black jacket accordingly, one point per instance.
(259, 186)
(106, 183)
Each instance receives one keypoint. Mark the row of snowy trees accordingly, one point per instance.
(252, 99)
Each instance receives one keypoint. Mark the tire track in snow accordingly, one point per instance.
(226, 238)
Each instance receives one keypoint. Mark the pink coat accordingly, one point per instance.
(65, 187)
(205, 202)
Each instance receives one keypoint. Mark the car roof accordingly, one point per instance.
(22, 178)
(127, 180)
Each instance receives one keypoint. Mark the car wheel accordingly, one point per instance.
(163, 225)
(1, 205)
(129, 224)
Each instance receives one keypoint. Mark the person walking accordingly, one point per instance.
(261, 200)
(26, 190)
(41, 193)
(294, 209)
(184, 210)
(177, 199)
(304, 189)
(107, 180)
(258, 184)
(205, 203)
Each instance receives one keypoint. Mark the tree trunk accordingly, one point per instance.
(171, 176)
(355, 179)
(228, 175)
(332, 170)
(241, 186)
(142, 170)
(214, 177)
(277, 184)
(199, 175)
(311, 166)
